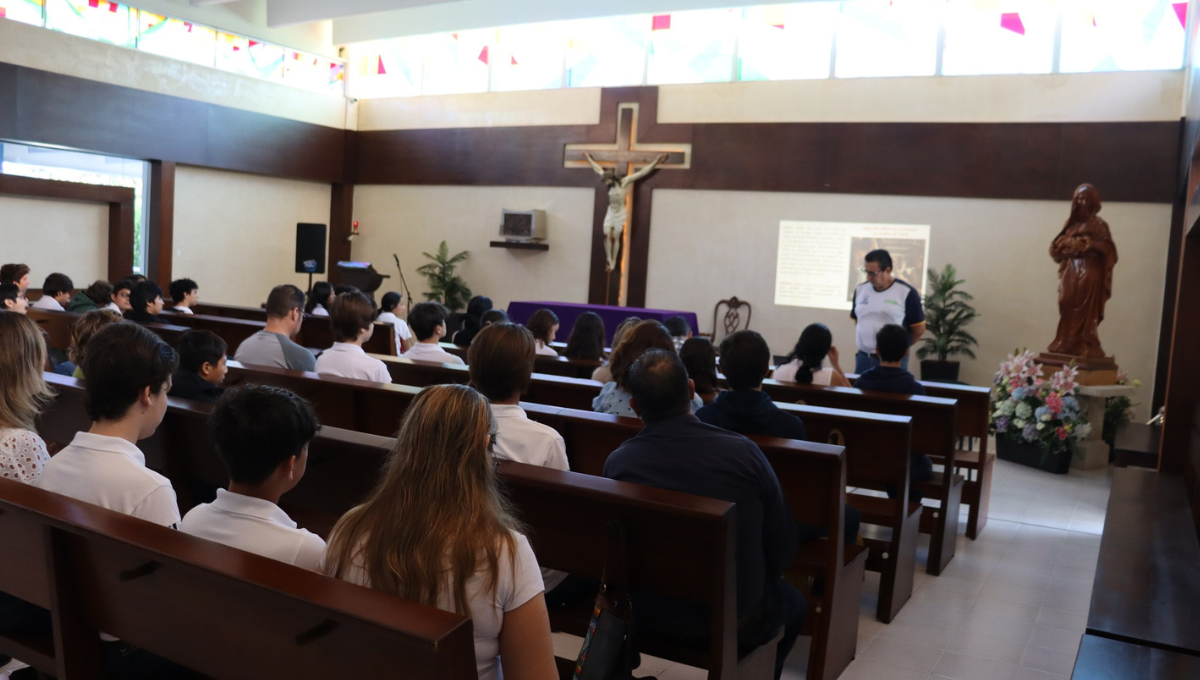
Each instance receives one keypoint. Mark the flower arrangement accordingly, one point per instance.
(1029, 409)
(1118, 410)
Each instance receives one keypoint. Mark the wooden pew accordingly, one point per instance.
(58, 327)
(543, 364)
(231, 311)
(1102, 658)
(545, 389)
(183, 597)
(316, 331)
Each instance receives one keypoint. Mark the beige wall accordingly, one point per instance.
(56, 236)
(409, 220)
(998, 246)
(235, 234)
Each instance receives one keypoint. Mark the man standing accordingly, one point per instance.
(883, 299)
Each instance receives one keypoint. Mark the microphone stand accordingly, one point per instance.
(407, 294)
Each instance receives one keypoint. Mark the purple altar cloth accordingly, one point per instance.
(568, 312)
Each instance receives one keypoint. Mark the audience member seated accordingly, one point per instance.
(83, 330)
(745, 408)
(135, 278)
(129, 374)
(95, 296)
(339, 289)
(273, 345)
(319, 299)
(614, 396)
(472, 320)
(428, 322)
(56, 293)
(119, 298)
(352, 315)
(387, 314)
(16, 274)
(262, 434)
(604, 373)
(676, 451)
(679, 329)
(544, 326)
(700, 360)
(805, 364)
(437, 530)
(586, 341)
(492, 316)
(145, 303)
(12, 298)
(185, 293)
(202, 367)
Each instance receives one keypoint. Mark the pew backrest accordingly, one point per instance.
(543, 389)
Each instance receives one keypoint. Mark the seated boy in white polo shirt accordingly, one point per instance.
(352, 315)
(262, 434)
(428, 322)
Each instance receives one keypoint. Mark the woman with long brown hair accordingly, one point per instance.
(614, 396)
(437, 530)
(23, 392)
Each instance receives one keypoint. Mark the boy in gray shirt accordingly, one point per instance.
(273, 346)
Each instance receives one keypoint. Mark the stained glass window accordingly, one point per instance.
(457, 63)
(176, 39)
(387, 68)
(24, 11)
(786, 42)
(607, 52)
(317, 74)
(888, 38)
(108, 22)
(1118, 35)
(692, 47)
(999, 36)
(249, 57)
(529, 57)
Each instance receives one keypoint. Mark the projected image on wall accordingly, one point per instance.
(820, 263)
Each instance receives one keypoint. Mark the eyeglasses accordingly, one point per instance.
(870, 274)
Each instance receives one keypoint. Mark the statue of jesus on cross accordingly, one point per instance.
(618, 194)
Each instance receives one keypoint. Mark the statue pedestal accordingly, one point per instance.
(1102, 371)
(1094, 450)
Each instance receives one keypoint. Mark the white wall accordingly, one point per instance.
(998, 246)
(56, 236)
(235, 234)
(409, 220)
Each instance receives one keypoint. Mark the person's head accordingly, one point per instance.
(660, 385)
(436, 515)
(586, 341)
(678, 327)
(85, 328)
(321, 294)
(544, 325)
(492, 316)
(811, 347)
(58, 286)
(342, 288)
(128, 374)
(185, 292)
(352, 316)
(644, 336)
(100, 292)
(285, 307)
(501, 360)
(428, 321)
(891, 344)
(622, 329)
(610, 178)
(23, 391)
(16, 274)
(12, 298)
(877, 265)
(700, 359)
(262, 434)
(476, 308)
(136, 278)
(390, 301)
(745, 359)
(121, 293)
(146, 297)
(203, 353)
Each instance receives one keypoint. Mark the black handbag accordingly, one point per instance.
(607, 652)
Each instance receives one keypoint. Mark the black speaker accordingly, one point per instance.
(310, 248)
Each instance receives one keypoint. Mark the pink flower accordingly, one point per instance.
(1054, 402)
(1061, 432)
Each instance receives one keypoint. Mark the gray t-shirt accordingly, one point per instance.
(273, 349)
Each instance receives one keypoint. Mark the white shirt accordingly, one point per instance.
(113, 306)
(402, 330)
(112, 473)
(255, 525)
(424, 351)
(872, 309)
(320, 310)
(544, 350)
(47, 303)
(182, 310)
(22, 455)
(347, 360)
(514, 587)
(787, 373)
(527, 441)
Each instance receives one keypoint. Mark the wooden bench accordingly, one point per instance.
(1101, 658)
(544, 389)
(217, 610)
(58, 328)
(316, 331)
(542, 363)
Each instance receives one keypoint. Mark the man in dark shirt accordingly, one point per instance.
(201, 367)
(676, 451)
(745, 408)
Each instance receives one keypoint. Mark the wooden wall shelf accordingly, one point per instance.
(521, 245)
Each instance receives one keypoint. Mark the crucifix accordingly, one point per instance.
(620, 164)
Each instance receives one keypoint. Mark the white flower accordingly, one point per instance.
(1082, 430)
(1041, 426)
(1008, 408)
(1046, 417)
(1024, 411)
(1019, 424)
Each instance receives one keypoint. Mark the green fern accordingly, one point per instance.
(446, 287)
(947, 313)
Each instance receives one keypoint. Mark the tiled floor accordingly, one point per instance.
(1010, 606)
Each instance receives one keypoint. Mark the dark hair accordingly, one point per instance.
(12, 273)
(492, 316)
(181, 287)
(880, 257)
(135, 278)
(9, 291)
(425, 318)
(541, 323)
(350, 313)
(256, 428)
(472, 320)
(143, 294)
(121, 360)
(587, 338)
(645, 335)
(811, 348)
(283, 299)
(100, 292)
(658, 383)
(500, 360)
(319, 295)
(197, 348)
(343, 288)
(123, 284)
(678, 327)
(700, 359)
(389, 301)
(57, 283)
(891, 343)
(745, 359)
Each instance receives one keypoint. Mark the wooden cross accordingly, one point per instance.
(625, 155)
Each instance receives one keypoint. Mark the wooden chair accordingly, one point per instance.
(731, 321)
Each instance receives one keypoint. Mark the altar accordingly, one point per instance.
(568, 312)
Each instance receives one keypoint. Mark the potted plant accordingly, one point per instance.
(445, 286)
(1037, 422)
(947, 313)
(1118, 411)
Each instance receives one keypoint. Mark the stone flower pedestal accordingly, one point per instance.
(1094, 450)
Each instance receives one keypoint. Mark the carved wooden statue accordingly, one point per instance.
(1086, 255)
(616, 216)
